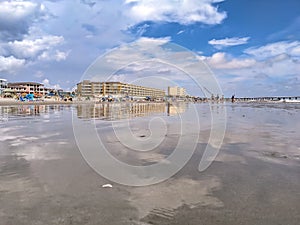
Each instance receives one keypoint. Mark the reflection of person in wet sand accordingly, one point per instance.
(232, 99)
(36, 110)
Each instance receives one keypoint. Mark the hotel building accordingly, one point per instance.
(88, 88)
(176, 92)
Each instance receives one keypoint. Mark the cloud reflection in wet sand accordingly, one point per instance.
(255, 176)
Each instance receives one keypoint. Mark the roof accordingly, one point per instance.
(24, 83)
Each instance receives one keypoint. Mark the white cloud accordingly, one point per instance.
(274, 49)
(118, 78)
(39, 74)
(295, 51)
(180, 11)
(135, 51)
(280, 60)
(152, 42)
(10, 64)
(279, 66)
(180, 32)
(48, 84)
(57, 56)
(28, 50)
(228, 42)
(32, 49)
(16, 17)
(220, 60)
(60, 56)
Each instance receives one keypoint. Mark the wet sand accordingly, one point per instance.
(254, 179)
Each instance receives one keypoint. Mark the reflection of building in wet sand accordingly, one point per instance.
(176, 108)
(118, 111)
(29, 110)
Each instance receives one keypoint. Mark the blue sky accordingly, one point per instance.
(252, 46)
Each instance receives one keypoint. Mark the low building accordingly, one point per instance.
(176, 92)
(28, 88)
(88, 88)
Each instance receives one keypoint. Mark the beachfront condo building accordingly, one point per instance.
(176, 92)
(3, 85)
(88, 88)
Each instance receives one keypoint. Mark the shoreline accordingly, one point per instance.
(14, 102)
(5, 102)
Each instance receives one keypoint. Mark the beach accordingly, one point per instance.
(44, 178)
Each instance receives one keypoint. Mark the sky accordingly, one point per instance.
(252, 47)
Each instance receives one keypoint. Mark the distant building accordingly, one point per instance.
(3, 85)
(176, 92)
(88, 88)
(28, 88)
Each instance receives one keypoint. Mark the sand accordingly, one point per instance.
(254, 179)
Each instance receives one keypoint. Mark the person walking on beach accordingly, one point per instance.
(232, 99)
